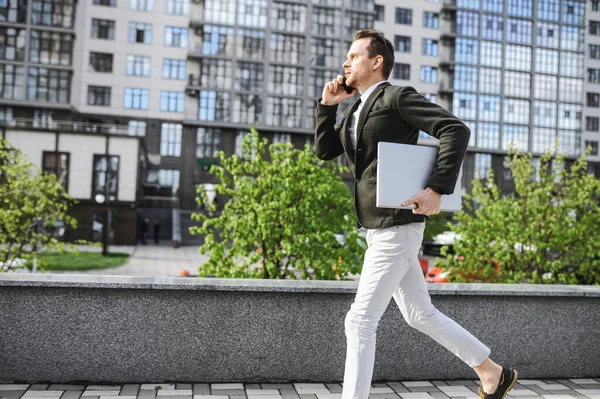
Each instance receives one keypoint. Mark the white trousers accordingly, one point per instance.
(391, 269)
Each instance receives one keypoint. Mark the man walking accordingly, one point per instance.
(391, 268)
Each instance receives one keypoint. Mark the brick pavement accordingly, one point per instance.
(587, 388)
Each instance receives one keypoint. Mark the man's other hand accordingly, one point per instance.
(428, 202)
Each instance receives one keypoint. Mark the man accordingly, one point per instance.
(391, 267)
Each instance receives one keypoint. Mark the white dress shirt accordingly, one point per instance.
(354, 121)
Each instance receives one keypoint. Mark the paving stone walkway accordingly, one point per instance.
(588, 388)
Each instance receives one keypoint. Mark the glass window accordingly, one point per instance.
(548, 10)
(593, 75)
(137, 128)
(50, 48)
(491, 54)
(431, 20)
(466, 51)
(100, 62)
(174, 69)
(217, 74)
(16, 11)
(178, 7)
(430, 47)
(48, 85)
(517, 84)
(251, 44)
(402, 44)
(56, 13)
(12, 44)
(467, 23)
(103, 29)
(218, 40)
(249, 76)
(570, 90)
(515, 136)
(99, 95)
(57, 163)
(105, 175)
(493, 6)
(516, 111)
(136, 98)
(401, 71)
(465, 78)
(172, 101)
(288, 17)
(519, 31)
(546, 61)
(571, 64)
(169, 178)
(403, 16)
(170, 139)
(428, 74)
(141, 5)
(569, 116)
(207, 142)
(323, 52)
(325, 22)
(544, 113)
(317, 80)
(547, 34)
(219, 11)
(594, 28)
(137, 65)
(593, 100)
(571, 38)
(569, 142)
(379, 12)
(140, 33)
(594, 51)
(595, 5)
(284, 112)
(588, 143)
(543, 139)
(489, 108)
(354, 21)
(492, 27)
(107, 3)
(464, 105)
(573, 12)
(472, 4)
(285, 80)
(252, 13)
(214, 106)
(12, 82)
(518, 57)
(488, 135)
(592, 123)
(520, 8)
(490, 80)
(247, 108)
(176, 37)
(483, 163)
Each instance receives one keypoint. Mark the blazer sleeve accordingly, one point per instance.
(327, 136)
(436, 121)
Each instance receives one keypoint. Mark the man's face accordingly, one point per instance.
(358, 65)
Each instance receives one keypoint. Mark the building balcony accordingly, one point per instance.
(196, 16)
(449, 6)
(446, 88)
(68, 126)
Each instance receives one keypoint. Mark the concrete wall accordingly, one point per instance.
(65, 328)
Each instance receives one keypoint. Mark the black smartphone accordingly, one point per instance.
(347, 88)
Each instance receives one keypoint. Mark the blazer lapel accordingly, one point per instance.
(367, 107)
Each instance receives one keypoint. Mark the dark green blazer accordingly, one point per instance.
(394, 114)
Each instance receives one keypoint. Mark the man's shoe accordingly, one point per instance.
(507, 382)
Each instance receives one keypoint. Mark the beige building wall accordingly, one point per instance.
(32, 144)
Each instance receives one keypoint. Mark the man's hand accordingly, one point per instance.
(428, 202)
(333, 93)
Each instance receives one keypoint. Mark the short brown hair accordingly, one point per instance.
(379, 46)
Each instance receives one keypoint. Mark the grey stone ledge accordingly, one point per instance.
(259, 285)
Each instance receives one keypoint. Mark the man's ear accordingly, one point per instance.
(378, 62)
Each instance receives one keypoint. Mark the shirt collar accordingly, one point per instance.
(366, 94)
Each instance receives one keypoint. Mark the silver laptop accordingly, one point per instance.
(403, 171)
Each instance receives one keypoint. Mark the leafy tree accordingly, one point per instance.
(544, 232)
(29, 201)
(281, 213)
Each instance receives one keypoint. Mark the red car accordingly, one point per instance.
(440, 275)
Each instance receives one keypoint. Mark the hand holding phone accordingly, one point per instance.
(336, 91)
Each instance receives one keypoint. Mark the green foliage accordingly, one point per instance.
(545, 232)
(437, 224)
(28, 198)
(281, 213)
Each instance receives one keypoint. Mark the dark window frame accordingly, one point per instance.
(110, 172)
(56, 166)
